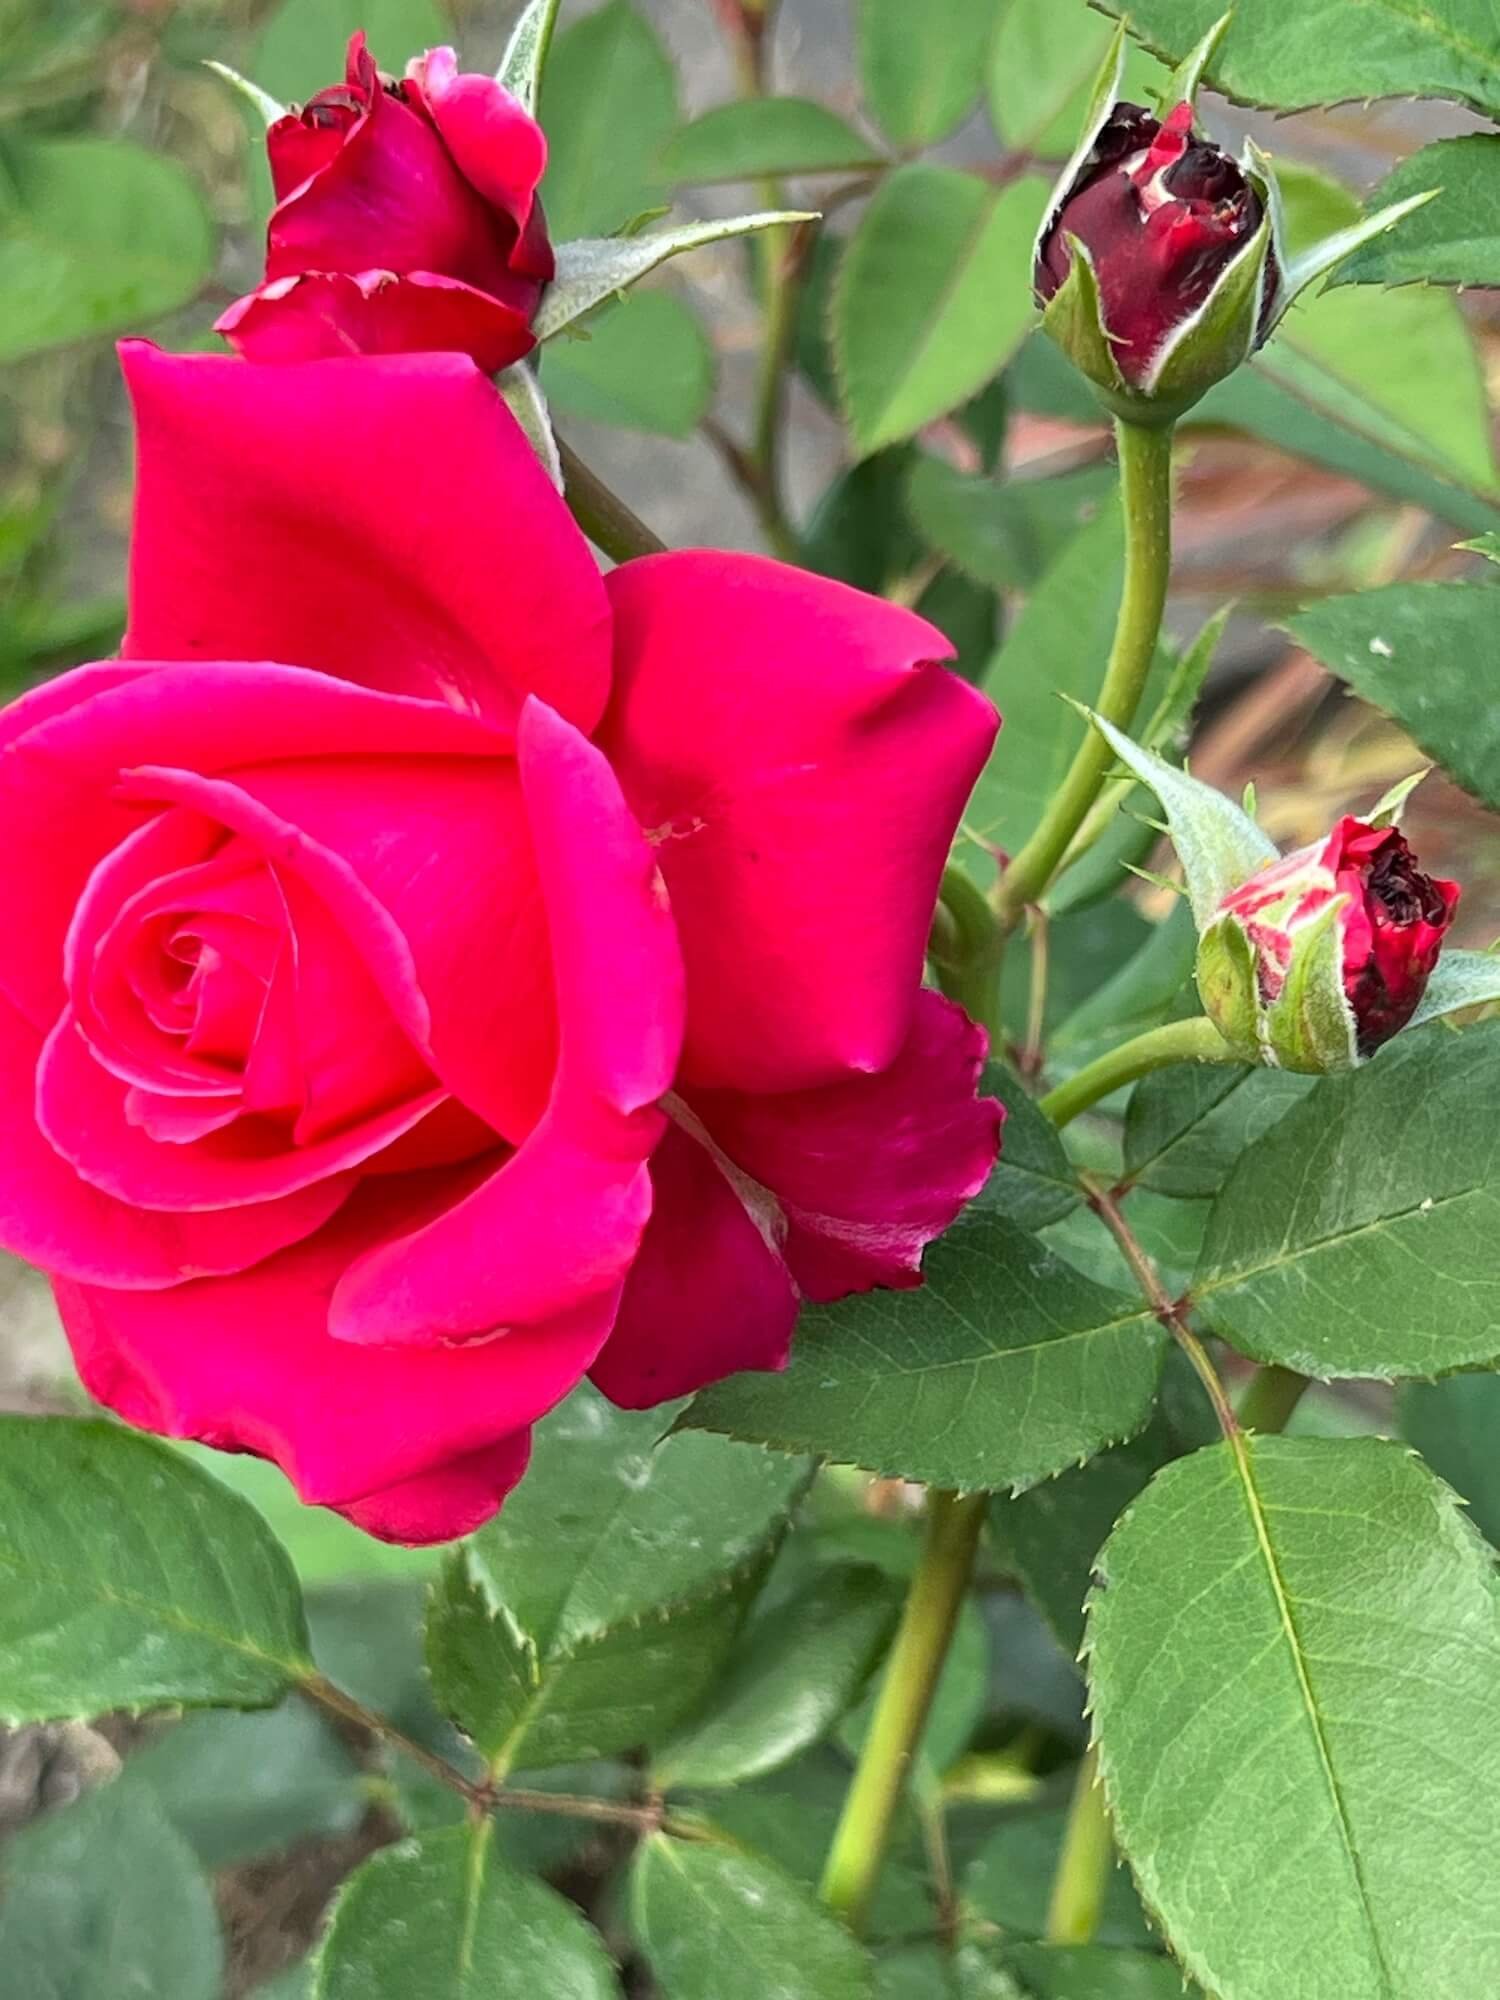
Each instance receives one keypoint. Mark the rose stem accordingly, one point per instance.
(1087, 1854)
(1146, 497)
(603, 516)
(911, 1676)
(1193, 1040)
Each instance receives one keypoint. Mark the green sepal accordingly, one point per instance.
(524, 399)
(520, 70)
(591, 269)
(1297, 273)
(1227, 985)
(1074, 318)
(1460, 979)
(1181, 87)
(268, 106)
(1390, 806)
(1310, 1027)
(1218, 845)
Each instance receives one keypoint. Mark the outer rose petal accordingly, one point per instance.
(559, 1224)
(343, 515)
(52, 1218)
(455, 1500)
(707, 1295)
(320, 315)
(801, 765)
(63, 747)
(498, 147)
(866, 1173)
(248, 1364)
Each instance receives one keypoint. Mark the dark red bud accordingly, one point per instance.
(1393, 926)
(1161, 214)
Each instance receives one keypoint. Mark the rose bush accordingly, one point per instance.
(441, 971)
(406, 219)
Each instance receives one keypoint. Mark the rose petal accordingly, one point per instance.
(454, 1500)
(345, 516)
(53, 1219)
(707, 1295)
(495, 143)
(63, 747)
(801, 766)
(559, 1223)
(247, 1364)
(319, 315)
(867, 1172)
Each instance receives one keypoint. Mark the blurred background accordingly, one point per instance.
(133, 198)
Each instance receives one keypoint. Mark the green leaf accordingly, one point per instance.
(1187, 1126)
(1419, 651)
(1050, 1536)
(796, 1671)
(646, 365)
(238, 1786)
(96, 236)
(323, 1546)
(931, 1972)
(1004, 533)
(608, 106)
(921, 68)
(1052, 649)
(1401, 366)
(595, 1613)
(1289, 56)
(593, 269)
(1132, 992)
(1008, 1882)
(714, 1920)
(1454, 240)
(933, 296)
(1376, 1195)
(1460, 980)
(103, 1899)
(1093, 1972)
(1295, 1668)
(1454, 1424)
(443, 1916)
(766, 136)
(1042, 66)
(301, 48)
(858, 531)
(132, 1580)
(1005, 1367)
(1033, 1182)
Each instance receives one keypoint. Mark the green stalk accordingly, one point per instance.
(603, 516)
(1084, 1861)
(911, 1677)
(1193, 1040)
(1270, 1397)
(1146, 497)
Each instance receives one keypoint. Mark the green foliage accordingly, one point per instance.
(1286, 54)
(933, 297)
(921, 68)
(1418, 650)
(97, 236)
(1186, 1126)
(714, 1919)
(1454, 1424)
(644, 363)
(1008, 1881)
(1288, 1641)
(442, 1915)
(608, 107)
(301, 48)
(104, 1899)
(133, 1580)
(1005, 1367)
(1374, 1196)
(1454, 240)
(597, 1610)
(1043, 62)
(1033, 1182)
(1088, 1972)
(795, 1672)
(766, 136)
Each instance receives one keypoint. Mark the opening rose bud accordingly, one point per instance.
(1162, 214)
(1355, 905)
(406, 220)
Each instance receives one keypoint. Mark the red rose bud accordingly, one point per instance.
(406, 220)
(1163, 217)
(1326, 954)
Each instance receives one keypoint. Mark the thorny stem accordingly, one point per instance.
(1193, 1040)
(482, 1797)
(1146, 497)
(603, 516)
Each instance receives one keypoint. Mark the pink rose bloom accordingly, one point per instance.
(407, 219)
(439, 971)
